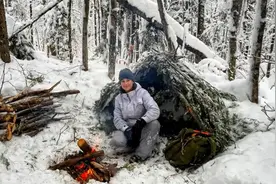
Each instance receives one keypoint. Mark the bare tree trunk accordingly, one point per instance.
(84, 36)
(4, 43)
(95, 23)
(165, 24)
(137, 41)
(125, 44)
(99, 21)
(31, 16)
(70, 31)
(271, 52)
(257, 41)
(233, 29)
(112, 39)
(131, 39)
(200, 23)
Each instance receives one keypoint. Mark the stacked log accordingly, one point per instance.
(29, 112)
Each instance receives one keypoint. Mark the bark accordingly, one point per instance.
(99, 21)
(158, 25)
(137, 41)
(200, 23)
(95, 23)
(70, 31)
(131, 38)
(257, 41)
(125, 44)
(162, 13)
(71, 162)
(84, 36)
(112, 39)
(234, 27)
(31, 16)
(4, 43)
(271, 53)
(29, 23)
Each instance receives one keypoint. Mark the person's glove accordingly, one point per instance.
(128, 133)
(137, 130)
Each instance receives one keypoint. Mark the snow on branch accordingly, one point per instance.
(149, 11)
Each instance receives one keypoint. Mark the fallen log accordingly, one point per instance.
(191, 43)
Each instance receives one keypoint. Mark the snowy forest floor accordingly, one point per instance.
(25, 159)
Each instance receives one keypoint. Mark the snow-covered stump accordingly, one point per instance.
(185, 100)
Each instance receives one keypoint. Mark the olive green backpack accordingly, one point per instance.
(190, 148)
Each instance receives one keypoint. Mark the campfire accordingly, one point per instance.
(30, 111)
(87, 164)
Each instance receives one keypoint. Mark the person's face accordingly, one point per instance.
(126, 84)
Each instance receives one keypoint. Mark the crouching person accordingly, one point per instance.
(135, 117)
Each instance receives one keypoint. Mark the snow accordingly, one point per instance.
(25, 159)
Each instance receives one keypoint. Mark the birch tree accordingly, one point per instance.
(112, 39)
(256, 47)
(4, 43)
(233, 30)
(84, 36)
(70, 31)
(272, 45)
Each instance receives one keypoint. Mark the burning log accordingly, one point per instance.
(29, 111)
(74, 161)
(87, 164)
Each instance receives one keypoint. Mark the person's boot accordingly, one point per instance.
(135, 158)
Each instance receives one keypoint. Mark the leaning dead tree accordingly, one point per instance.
(31, 22)
(185, 100)
(29, 112)
(19, 45)
(191, 43)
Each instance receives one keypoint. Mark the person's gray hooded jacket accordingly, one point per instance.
(134, 105)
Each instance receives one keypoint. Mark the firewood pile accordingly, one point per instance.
(87, 164)
(29, 112)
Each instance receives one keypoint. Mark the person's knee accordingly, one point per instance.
(154, 125)
(118, 139)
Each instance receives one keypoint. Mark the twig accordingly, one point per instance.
(61, 131)
(23, 71)
(271, 119)
(4, 68)
(74, 133)
(190, 179)
(82, 102)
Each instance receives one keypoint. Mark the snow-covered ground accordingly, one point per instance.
(25, 159)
